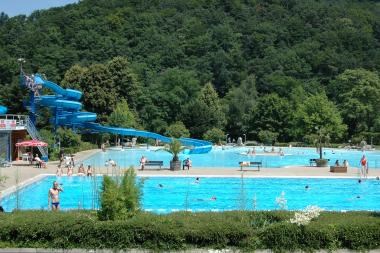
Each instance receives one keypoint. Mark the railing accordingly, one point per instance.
(20, 119)
(33, 132)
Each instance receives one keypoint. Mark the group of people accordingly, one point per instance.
(69, 163)
(363, 166)
(251, 151)
(345, 163)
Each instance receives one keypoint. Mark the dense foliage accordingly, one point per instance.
(268, 69)
(243, 230)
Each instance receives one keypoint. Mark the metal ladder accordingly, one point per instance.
(33, 132)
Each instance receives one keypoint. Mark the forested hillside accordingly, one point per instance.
(273, 70)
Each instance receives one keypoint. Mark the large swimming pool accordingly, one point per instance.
(231, 156)
(168, 194)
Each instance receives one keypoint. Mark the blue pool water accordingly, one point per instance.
(184, 193)
(230, 157)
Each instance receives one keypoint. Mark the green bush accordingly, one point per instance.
(214, 135)
(244, 230)
(177, 130)
(119, 199)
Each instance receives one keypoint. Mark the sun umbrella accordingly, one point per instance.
(31, 143)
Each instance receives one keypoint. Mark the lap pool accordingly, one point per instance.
(229, 157)
(169, 194)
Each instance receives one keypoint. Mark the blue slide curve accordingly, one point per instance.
(66, 107)
(3, 110)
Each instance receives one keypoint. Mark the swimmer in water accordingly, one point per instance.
(306, 187)
(160, 185)
(197, 180)
(213, 198)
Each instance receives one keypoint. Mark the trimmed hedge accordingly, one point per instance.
(182, 230)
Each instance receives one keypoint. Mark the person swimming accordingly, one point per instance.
(160, 185)
(213, 198)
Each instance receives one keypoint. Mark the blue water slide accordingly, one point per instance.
(66, 93)
(125, 131)
(54, 101)
(65, 102)
(3, 109)
(197, 146)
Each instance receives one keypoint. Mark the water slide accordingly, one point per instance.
(67, 108)
(3, 110)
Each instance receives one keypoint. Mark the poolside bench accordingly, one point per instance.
(338, 169)
(256, 165)
(154, 163)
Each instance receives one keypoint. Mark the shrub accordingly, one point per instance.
(185, 230)
(119, 200)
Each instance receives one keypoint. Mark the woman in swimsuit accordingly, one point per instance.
(53, 196)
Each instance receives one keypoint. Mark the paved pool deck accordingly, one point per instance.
(22, 172)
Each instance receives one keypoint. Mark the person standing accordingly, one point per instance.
(143, 160)
(53, 196)
(364, 166)
(89, 171)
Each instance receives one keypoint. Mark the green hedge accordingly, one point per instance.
(182, 230)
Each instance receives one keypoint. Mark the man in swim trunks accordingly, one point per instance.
(53, 196)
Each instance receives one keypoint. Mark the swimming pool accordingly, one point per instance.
(231, 156)
(184, 193)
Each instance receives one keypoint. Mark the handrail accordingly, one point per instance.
(33, 132)
(21, 120)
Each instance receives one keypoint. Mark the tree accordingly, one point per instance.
(125, 81)
(174, 148)
(122, 116)
(205, 112)
(177, 130)
(267, 137)
(316, 113)
(172, 91)
(240, 101)
(215, 135)
(358, 94)
(272, 114)
(68, 138)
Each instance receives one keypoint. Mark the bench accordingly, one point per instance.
(338, 169)
(257, 165)
(154, 163)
